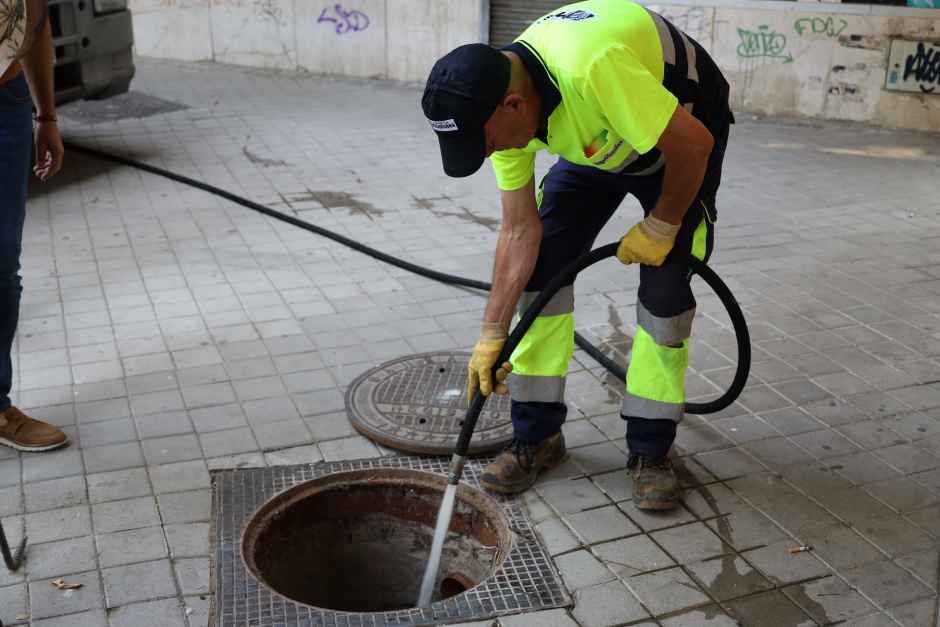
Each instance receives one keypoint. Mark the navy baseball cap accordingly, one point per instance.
(463, 90)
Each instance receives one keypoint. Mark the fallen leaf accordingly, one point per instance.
(61, 584)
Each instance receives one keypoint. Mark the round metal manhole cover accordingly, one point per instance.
(417, 404)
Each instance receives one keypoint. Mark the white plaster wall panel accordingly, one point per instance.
(345, 37)
(756, 52)
(421, 31)
(855, 75)
(696, 22)
(258, 33)
(172, 29)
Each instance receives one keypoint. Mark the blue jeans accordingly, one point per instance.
(16, 136)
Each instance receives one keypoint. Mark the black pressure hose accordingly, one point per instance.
(709, 276)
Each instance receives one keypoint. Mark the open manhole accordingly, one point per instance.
(344, 544)
(359, 541)
(417, 404)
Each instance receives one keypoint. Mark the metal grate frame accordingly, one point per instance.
(526, 581)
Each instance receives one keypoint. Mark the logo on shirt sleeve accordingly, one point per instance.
(443, 126)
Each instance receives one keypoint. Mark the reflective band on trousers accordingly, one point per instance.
(535, 389)
(561, 303)
(546, 348)
(665, 331)
(655, 379)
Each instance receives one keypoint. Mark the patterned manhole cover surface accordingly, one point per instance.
(417, 404)
(527, 581)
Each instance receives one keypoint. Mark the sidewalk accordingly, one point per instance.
(170, 332)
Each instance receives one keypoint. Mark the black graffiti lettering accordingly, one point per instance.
(924, 66)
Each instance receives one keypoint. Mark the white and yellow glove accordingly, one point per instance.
(485, 354)
(648, 242)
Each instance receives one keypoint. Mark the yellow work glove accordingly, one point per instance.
(648, 242)
(485, 353)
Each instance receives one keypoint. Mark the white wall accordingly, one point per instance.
(786, 58)
(397, 39)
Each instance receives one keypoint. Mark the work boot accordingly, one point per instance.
(654, 482)
(26, 434)
(517, 467)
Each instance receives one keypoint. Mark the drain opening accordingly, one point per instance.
(359, 541)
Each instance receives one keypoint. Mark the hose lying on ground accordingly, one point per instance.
(707, 274)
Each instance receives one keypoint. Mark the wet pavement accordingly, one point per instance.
(171, 332)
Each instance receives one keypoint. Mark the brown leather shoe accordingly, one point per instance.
(655, 485)
(517, 467)
(23, 433)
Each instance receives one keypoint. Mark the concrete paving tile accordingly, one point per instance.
(712, 500)
(193, 575)
(59, 559)
(179, 477)
(551, 618)
(126, 514)
(196, 610)
(91, 618)
(744, 428)
(270, 410)
(188, 540)
(789, 421)
(728, 577)
(285, 433)
(607, 604)
(55, 493)
(745, 529)
(651, 520)
(871, 434)
(320, 402)
(834, 412)
(841, 546)
(164, 613)
(768, 610)
(598, 458)
(138, 582)
(568, 497)
(777, 452)
(557, 536)
(164, 424)
(295, 455)
(921, 612)
(11, 501)
(63, 462)
(829, 600)
(902, 494)
(228, 442)
(348, 448)
(581, 433)
(206, 395)
(690, 543)
(824, 444)
(886, 583)
(183, 507)
(729, 463)
(218, 418)
(107, 432)
(580, 569)
(776, 563)
(46, 601)
(113, 457)
(617, 485)
(667, 591)
(127, 547)
(893, 535)
(58, 524)
(176, 448)
(116, 485)
(329, 426)
(708, 616)
(600, 525)
(156, 402)
(908, 458)
(144, 384)
(924, 565)
(632, 556)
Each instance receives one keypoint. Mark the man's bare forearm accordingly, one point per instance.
(681, 183)
(39, 67)
(516, 254)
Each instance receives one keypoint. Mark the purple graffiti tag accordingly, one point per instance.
(345, 21)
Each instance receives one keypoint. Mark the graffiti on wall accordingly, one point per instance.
(827, 26)
(695, 21)
(763, 43)
(913, 66)
(344, 20)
